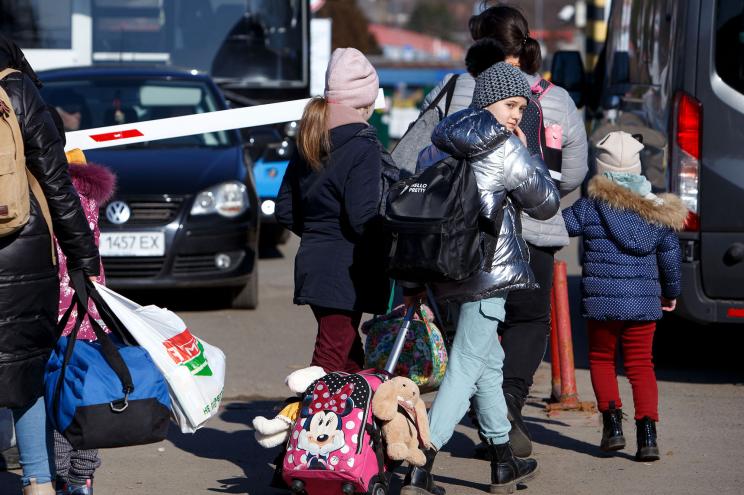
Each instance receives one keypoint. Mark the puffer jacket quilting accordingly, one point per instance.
(508, 178)
(29, 288)
(631, 252)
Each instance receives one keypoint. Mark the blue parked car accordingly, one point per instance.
(272, 159)
(186, 212)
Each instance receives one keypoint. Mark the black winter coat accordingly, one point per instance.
(340, 263)
(29, 287)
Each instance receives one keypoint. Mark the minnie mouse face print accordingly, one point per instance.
(322, 432)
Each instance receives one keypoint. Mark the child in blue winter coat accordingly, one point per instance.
(631, 272)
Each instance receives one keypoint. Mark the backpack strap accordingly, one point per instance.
(6, 72)
(34, 185)
(38, 193)
(449, 91)
(541, 87)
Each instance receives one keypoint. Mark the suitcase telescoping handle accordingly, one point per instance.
(400, 339)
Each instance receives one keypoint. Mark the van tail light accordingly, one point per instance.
(692, 222)
(686, 154)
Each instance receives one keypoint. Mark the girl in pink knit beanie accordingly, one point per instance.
(330, 197)
(350, 91)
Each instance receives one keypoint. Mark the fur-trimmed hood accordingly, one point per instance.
(671, 212)
(614, 201)
(93, 181)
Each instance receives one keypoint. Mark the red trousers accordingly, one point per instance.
(637, 338)
(338, 346)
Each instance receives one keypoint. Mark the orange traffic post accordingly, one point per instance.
(555, 365)
(569, 396)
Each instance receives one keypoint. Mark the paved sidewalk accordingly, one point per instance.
(701, 394)
(700, 439)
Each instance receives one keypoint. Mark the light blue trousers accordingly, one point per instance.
(35, 442)
(474, 368)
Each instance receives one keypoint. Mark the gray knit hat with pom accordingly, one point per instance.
(498, 82)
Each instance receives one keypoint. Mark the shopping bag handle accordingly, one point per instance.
(109, 317)
(83, 288)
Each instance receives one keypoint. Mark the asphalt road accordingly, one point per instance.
(701, 381)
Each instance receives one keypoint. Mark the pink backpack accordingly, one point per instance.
(335, 445)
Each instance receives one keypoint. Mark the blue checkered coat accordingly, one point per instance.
(631, 252)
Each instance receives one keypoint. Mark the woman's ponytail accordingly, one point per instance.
(313, 137)
(509, 28)
(530, 57)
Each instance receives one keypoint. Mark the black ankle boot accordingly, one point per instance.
(419, 480)
(612, 429)
(507, 470)
(648, 449)
(519, 436)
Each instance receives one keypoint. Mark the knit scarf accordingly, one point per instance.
(634, 182)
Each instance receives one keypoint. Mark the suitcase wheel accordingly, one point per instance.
(297, 486)
(378, 489)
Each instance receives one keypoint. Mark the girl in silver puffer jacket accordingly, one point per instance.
(487, 136)
(509, 178)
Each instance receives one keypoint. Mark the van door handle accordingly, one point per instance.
(734, 255)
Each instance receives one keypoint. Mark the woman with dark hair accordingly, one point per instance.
(29, 288)
(526, 329)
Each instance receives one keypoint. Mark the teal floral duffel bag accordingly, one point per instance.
(424, 356)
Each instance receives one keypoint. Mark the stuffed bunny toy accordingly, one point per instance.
(397, 403)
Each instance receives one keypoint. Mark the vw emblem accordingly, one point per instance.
(118, 212)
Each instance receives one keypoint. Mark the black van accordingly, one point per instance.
(673, 71)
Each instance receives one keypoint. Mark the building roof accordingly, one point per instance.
(422, 45)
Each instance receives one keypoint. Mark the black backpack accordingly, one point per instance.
(431, 222)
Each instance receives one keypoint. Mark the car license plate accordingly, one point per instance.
(132, 244)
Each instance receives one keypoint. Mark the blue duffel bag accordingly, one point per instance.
(105, 393)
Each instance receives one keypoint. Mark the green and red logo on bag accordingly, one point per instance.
(187, 350)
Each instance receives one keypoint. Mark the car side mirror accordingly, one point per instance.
(567, 71)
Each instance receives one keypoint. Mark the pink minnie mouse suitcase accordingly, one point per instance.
(336, 445)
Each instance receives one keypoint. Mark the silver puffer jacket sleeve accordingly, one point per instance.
(528, 181)
(476, 135)
(489, 175)
(469, 133)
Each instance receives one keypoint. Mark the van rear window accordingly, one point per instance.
(730, 43)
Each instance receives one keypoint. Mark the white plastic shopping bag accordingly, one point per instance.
(194, 370)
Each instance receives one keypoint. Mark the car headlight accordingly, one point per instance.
(290, 129)
(229, 200)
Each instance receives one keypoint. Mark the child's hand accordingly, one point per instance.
(522, 137)
(668, 304)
